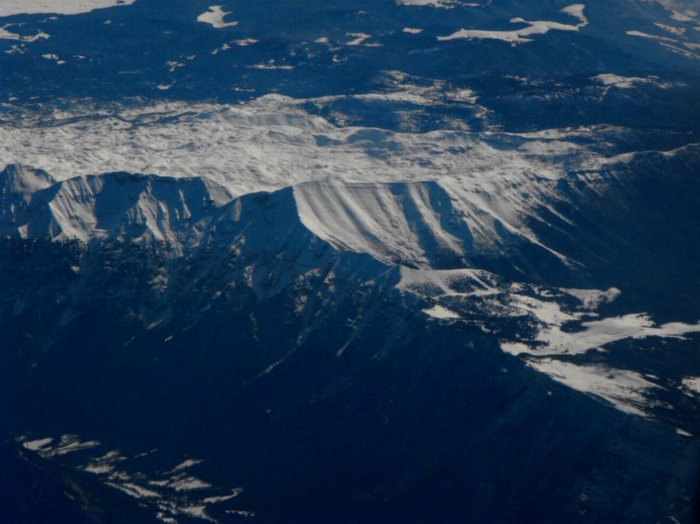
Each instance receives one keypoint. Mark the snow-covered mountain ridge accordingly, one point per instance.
(447, 222)
(422, 224)
(562, 233)
(274, 141)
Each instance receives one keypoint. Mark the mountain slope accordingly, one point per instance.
(278, 330)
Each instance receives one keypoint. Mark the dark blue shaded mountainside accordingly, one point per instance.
(353, 407)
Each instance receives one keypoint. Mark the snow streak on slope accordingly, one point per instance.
(624, 389)
(394, 221)
(597, 334)
(421, 224)
(169, 494)
(447, 4)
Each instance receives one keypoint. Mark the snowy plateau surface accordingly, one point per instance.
(273, 142)
(64, 7)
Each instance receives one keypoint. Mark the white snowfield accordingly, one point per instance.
(519, 36)
(441, 312)
(468, 295)
(624, 389)
(629, 82)
(67, 444)
(597, 334)
(593, 298)
(401, 197)
(36, 445)
(445, 4)
(6, 34)
(448, 4)
(215, 17)
(539, 305)
(688, 49)
(692, 384)
(62, 7)
(271, 143)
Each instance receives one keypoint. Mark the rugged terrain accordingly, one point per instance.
(408, 261)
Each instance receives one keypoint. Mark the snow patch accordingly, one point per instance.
(244, 42)
(56, 58)
(678, 31)
(518, 36)
(240, 513)
(223, 498)
(359, 39)
(215, 17)
(177, 496)
(270, 67)
(8, 35)
(624, 389)
(680, 17)
(36, 445)
(62, 7)
(441, 312)
(198, 512)
(69, 444)
(102, 469)
(463, 95)
(134, 490)
(692, 384)
(188, 484)
(593, 298)
(445, 4)
(186, 464)
(552, 340)
(651, 37)
(625, 82)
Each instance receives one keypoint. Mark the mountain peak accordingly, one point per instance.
(19, 179)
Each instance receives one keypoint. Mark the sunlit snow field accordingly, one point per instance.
(63, 7)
